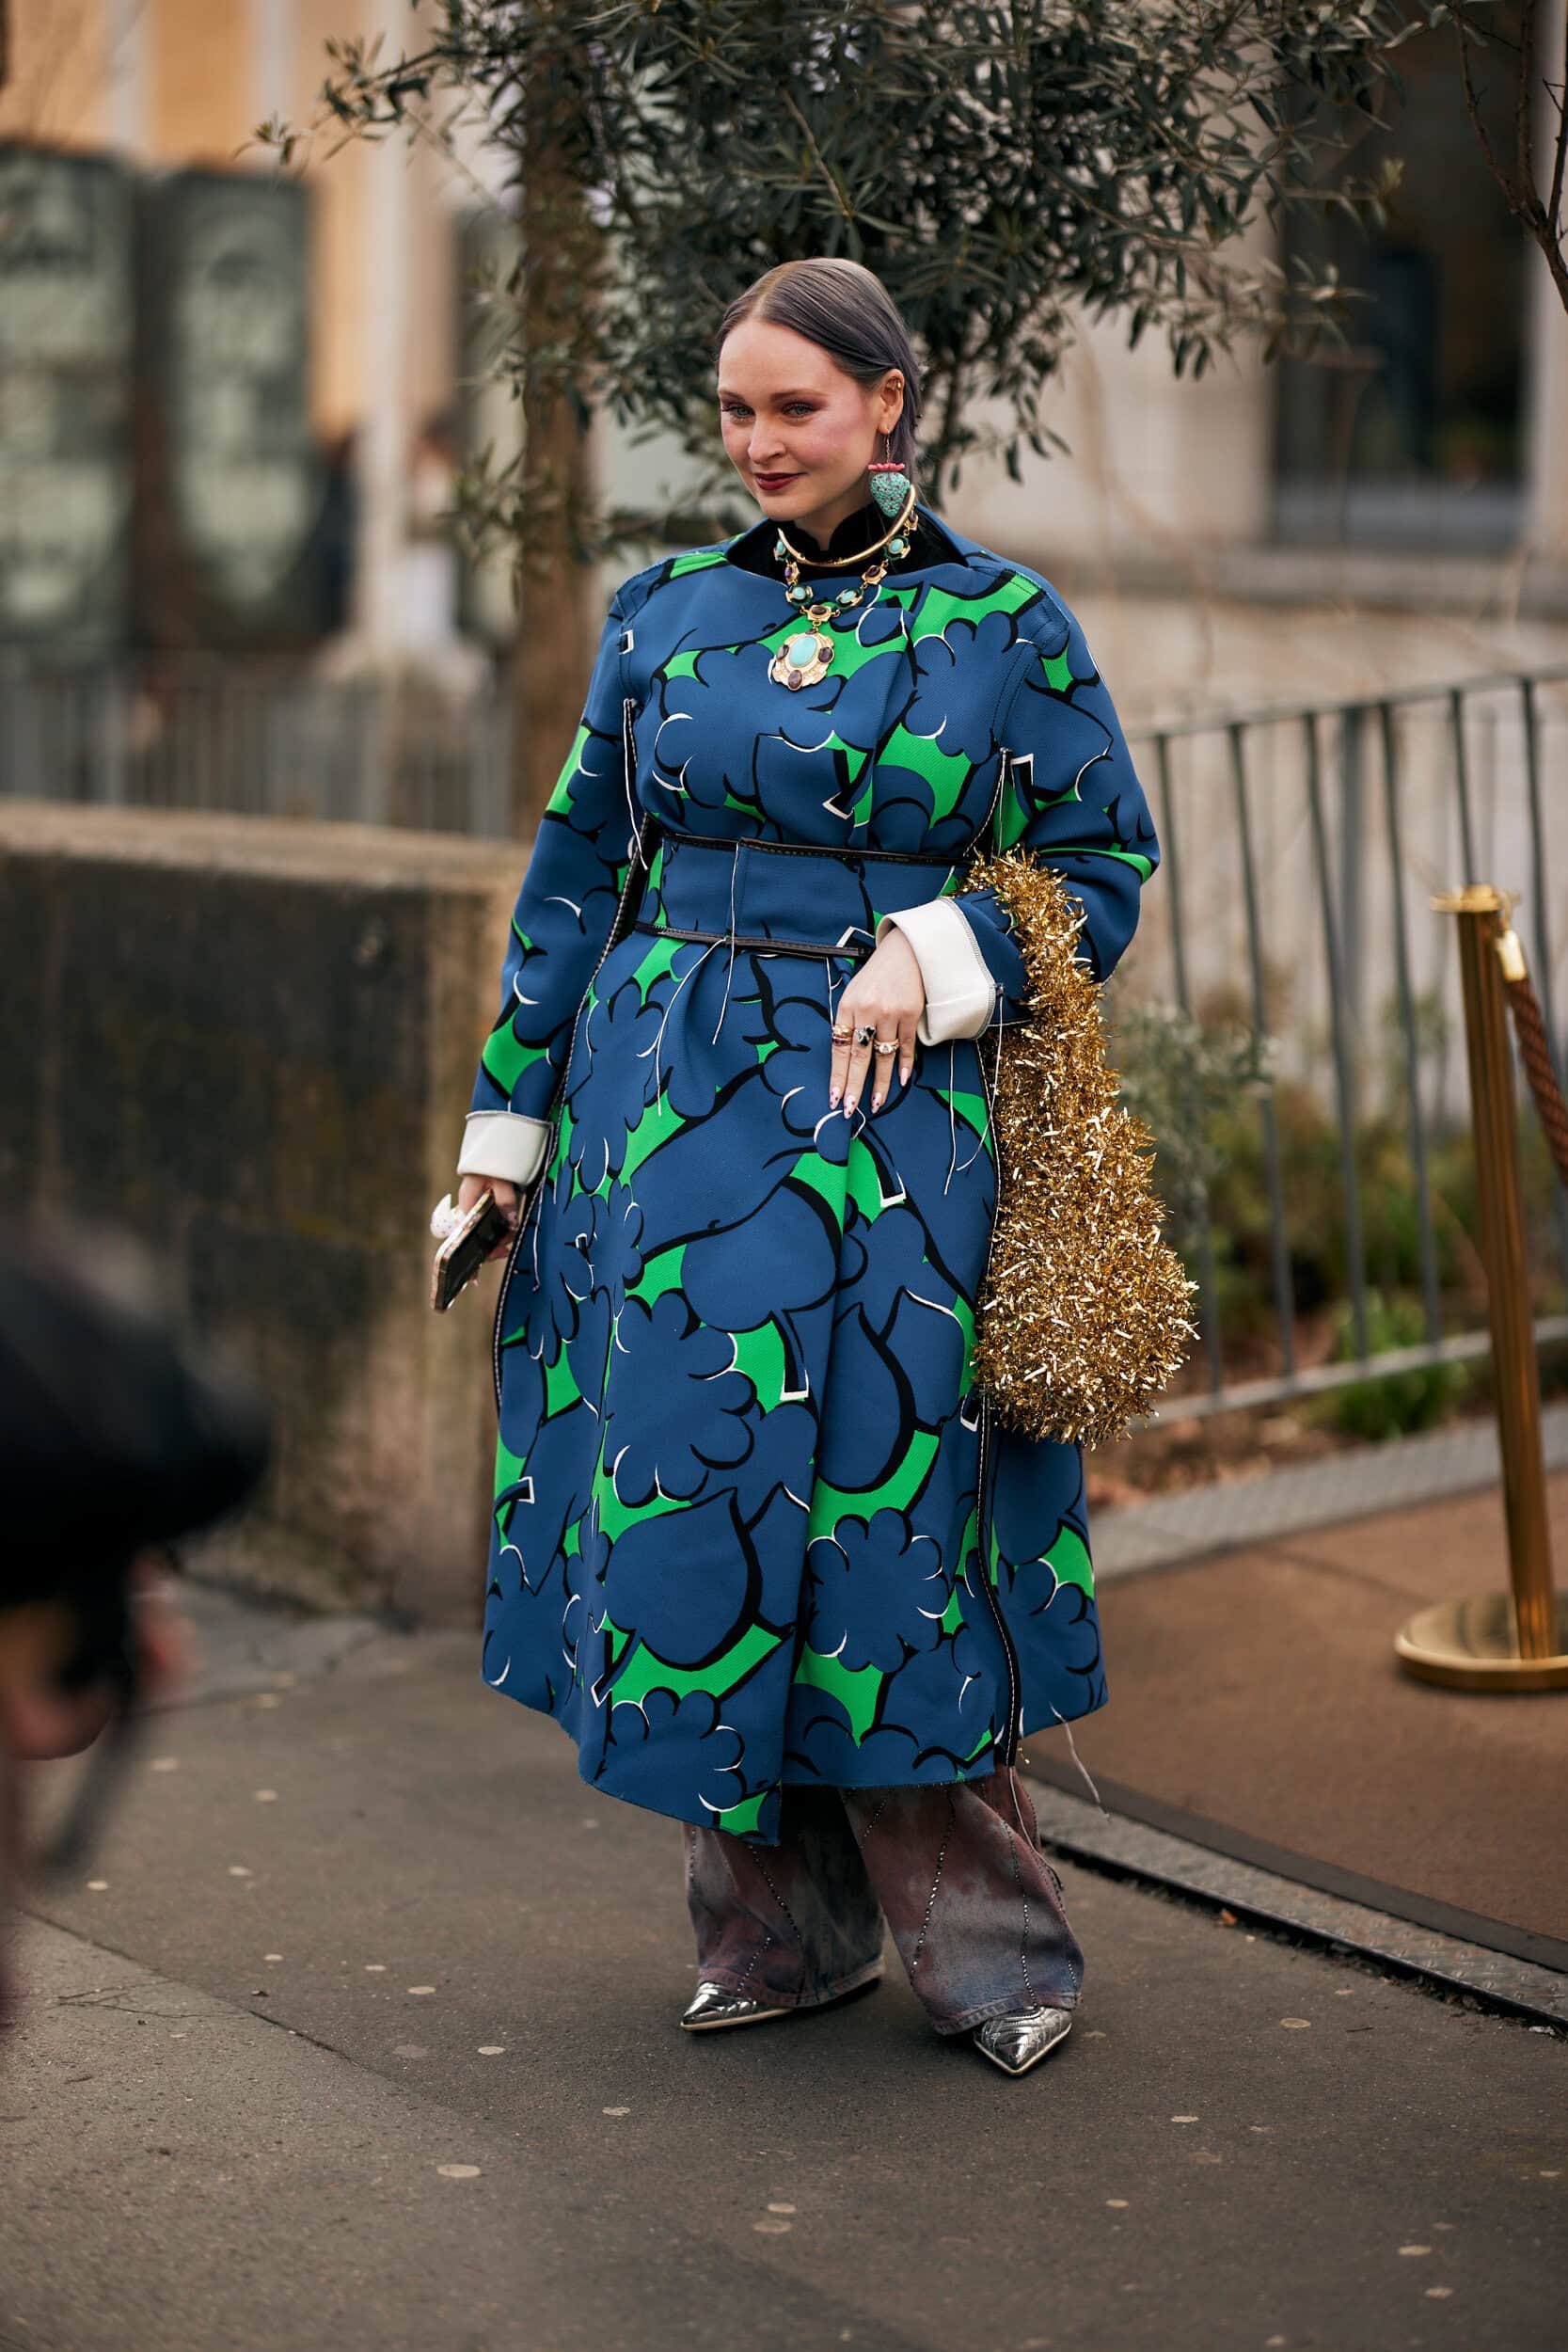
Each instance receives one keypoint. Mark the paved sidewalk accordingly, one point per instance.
(368, 2040)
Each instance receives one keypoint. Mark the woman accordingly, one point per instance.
(757, 1543)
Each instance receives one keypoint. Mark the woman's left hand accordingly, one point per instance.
(886, 994)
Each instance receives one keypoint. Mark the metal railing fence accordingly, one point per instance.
(259, 737)
(1299, 846)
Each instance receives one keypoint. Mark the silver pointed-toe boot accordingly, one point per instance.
(714, 2005)
(1020, 2041)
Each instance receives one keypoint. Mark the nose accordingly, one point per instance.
(765, 451)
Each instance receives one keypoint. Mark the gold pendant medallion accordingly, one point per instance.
(806, 656)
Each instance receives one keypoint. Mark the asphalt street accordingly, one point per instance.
(363, 2035)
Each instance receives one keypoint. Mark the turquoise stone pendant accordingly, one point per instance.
(802, 660)
(890, 487)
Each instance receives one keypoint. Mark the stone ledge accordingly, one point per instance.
(380, 857)
(251, 1042)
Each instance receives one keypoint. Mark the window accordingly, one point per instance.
(1410, 434)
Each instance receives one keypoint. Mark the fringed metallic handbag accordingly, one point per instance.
(1083, 1315)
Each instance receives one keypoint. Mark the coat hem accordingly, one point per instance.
(705, 1817)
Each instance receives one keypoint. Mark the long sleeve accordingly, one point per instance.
(560, 925)
(1073, 798)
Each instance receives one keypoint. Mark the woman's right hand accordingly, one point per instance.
(469, 1191)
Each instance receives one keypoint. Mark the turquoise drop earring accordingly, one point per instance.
(890, 484)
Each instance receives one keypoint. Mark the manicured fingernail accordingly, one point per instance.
(833, 1098)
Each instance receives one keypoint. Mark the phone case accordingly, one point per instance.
(466, 1249)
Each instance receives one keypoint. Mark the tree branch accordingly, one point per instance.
(1541, 220)
(1560, 158)
(1472, 104)
(953, 404)
(1524, 101)
(841, 195)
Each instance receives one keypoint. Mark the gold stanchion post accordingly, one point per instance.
(1517, 1640)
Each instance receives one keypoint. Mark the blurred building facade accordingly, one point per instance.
(295, 339)
(1394, 517)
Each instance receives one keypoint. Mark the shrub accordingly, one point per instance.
(1199, 1086)
(1403, 1402)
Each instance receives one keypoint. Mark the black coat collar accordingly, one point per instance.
(930, 544)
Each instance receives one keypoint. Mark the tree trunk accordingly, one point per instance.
(553, 653)
(557, 629)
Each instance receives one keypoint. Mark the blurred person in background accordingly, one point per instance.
(428, 567)
(339, 529)
(116, 1438)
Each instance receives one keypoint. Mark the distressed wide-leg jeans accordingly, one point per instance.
(955, 1870)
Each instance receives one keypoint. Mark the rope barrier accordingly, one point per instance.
(1530, 1029)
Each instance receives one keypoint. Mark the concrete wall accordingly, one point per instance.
(252, 1042)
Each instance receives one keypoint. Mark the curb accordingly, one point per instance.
(1120, 1847)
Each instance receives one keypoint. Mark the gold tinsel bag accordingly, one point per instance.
(1083, 1315)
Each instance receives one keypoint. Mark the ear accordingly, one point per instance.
(890, 407)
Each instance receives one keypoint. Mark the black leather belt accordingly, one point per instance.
(854, 952)
(814, 848)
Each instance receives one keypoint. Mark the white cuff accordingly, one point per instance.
(960, 994)
(503, 1143)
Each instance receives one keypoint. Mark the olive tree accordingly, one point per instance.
(1009, 168)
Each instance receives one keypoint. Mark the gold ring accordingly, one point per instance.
(887, 1046)
(839, 1036)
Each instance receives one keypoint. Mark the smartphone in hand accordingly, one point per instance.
(466, 1249)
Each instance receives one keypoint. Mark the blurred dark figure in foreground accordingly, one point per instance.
(115, 1439)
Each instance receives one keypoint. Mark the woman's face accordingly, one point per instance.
(797, 430)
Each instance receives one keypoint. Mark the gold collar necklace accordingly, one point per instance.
(807, 653)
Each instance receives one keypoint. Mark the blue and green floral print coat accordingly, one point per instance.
(754, 1523)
